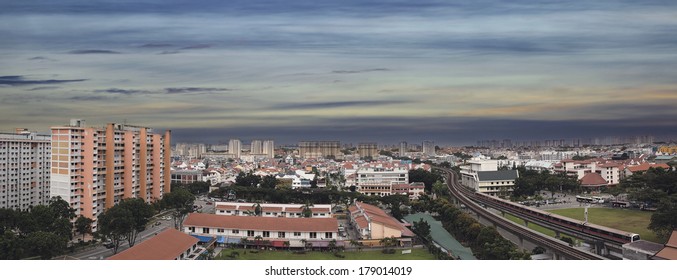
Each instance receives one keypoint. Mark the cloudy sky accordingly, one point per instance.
(353, 70)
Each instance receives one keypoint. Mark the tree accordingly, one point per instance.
(356, 243)
(83, 225)
(115, 224)
(286, 244)
(244, 241)
(428, 178)
(332, 245)
(258, 240)
(269, 182)
(45, 244)
(180, 202)
(306, 209)
(141, 214)
(422, 228)
(440, 188)
(664, 221)
(258, 211)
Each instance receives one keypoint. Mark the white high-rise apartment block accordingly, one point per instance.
(24, 169)
(403, 148)
(256, 147)
(269, 148)
(429, 148)
(235, 148)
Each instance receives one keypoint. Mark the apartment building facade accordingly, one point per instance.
(24, 169)
(315, 149)
(95, 168)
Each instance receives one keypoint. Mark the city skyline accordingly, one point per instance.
(353, 71)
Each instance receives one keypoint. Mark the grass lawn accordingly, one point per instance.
(623, 219)
(416, 254)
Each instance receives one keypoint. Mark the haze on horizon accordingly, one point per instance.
(349, 70)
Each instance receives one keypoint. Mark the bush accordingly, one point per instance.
(339, 256)
(388, 251)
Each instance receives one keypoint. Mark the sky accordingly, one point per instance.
(453, 72)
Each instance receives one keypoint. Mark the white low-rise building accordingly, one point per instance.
(266, 231)
(271, 209)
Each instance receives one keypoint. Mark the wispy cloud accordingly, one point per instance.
(122, 91)
(22, 81)
(169, 52)
(198, 46)
(93, 52)
(194, 89)
(338, 104)
(156, 45)
(39, 58)
(359, 71)
(43, 88)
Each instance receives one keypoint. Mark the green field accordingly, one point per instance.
(623, 219)
(416, 254)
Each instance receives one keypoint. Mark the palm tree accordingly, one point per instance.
(286, 244)
(357, 244)
(332, 245)
(258, 240)
(304, 242)
(306, 209)
(244, 241)
(258, 211)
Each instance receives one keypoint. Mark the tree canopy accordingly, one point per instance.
(42, 231)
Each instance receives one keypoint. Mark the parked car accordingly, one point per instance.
(109, 245)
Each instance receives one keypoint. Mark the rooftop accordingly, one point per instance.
(167, 245)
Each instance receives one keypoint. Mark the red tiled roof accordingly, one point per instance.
(593, 179)
(645, 166)
(262, 223)
(669, 252)
(167, 245)
(377, 215)
(362, 222)
(226, 207)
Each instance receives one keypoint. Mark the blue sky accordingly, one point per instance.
(449, 71)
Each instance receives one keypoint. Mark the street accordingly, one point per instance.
(100, 252)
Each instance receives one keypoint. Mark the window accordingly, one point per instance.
(313, 235)
(236, 231)
(280, 235)
(205, 230)
(220, 230)
(327, 235)
(192, 229)
(266, 234)
(250, 233)
(297, 234)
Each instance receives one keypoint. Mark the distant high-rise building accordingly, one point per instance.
(95, 168)
(314, 149)
(403, 148)
(367, 150)
(256, 147)
(235, 147)
(269, 148)
(428, 148)
(24, 169)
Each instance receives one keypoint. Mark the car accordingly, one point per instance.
(109, 245)
(158, 223)
(209, 203)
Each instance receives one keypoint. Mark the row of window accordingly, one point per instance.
(250, 233)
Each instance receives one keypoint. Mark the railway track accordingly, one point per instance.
(463, 194)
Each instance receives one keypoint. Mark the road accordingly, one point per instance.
(100, 252)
